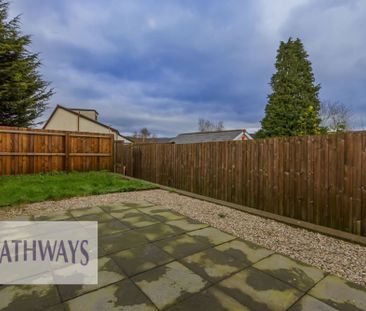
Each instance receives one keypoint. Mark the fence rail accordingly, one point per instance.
(27, 151)
(318, 179)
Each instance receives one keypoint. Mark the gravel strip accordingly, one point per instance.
(336, 256)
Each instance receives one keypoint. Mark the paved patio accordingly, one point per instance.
(153, 259)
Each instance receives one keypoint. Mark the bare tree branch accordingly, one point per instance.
(209, 126)
(336, 117)
(143, 133)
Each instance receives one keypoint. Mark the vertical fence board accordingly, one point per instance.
(340, 186)
(356, 189)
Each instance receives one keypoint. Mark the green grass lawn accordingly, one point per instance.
(15, 190)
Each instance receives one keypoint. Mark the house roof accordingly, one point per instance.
(202, 137)
(84, 117)
(157, 140)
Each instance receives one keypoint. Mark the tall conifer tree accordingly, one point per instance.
(23, 92)
(293, 107)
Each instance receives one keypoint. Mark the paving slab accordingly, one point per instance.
(299, 275)
(246, 251)
(122, 214)
(121, 241)
(213, 265)
(308, 303)
(212, 299)
(340, 294)
(168, 216)
(28, 297)
(140, 259)
(181, 245)
(163, 215)
(159, 231)
(260, 291)
(111, 227)
(115, 207)
(119, 296)
(211, 236)
(187, 224)
(133, 218)
(138, 204)
(56, 216)
(108, 272)
(139, 221)
(169, 284)
(101, 251)
(153, 210)
(59, 307)
(78, 212)
(100, 217)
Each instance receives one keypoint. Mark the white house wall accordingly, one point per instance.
(88, 113)
(239, 137)
(63, 120)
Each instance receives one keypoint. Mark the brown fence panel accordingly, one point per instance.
(318, 179)
(119, 157)
(29, 151)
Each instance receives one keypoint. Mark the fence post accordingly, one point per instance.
(67, 151)
(122, 160)
(113, 155)
(132, 162)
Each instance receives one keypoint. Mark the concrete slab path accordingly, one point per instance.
(155, 259)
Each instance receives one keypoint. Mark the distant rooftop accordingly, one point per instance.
(152, 140)
(202, 137)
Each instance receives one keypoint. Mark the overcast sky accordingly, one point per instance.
(162, 64)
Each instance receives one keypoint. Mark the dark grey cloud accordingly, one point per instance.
(163, 64)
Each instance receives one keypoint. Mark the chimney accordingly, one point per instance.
(244, 137)
(89, 113)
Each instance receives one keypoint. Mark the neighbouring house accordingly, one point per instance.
(204, 137)
(80, 120)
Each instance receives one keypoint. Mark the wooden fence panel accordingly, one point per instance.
(30, 151)
(363, 184)
(318, 179)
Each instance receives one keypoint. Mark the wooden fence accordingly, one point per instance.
(28, 151)
(122, 158)
(318, 179)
